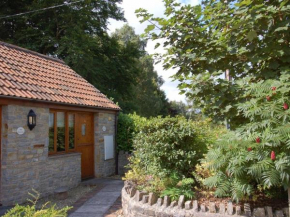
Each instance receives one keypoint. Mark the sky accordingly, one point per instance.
(157, 8)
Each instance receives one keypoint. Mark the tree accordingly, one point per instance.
(66, 32)
(147, 98)
(178, 108)
(249, 38)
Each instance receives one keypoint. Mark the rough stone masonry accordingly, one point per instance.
(143, 204)
(26, 164)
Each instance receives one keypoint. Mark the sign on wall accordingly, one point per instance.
(109, 147)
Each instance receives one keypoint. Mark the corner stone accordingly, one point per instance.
(230, 208)
(166, 201)
(188, 205)
(247, 209)
(195, 206)
(269, 211)
(152, 199)
(222, 209)
(259, 212)
(238, 210)
(202, 208)
(181, 201)
(212, 208)
(279, 213)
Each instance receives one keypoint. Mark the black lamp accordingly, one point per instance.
(31, 119)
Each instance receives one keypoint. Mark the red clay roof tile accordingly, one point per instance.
(27, 74)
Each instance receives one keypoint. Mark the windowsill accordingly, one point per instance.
(61, 155)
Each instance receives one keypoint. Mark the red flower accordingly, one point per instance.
(258, 140)
(268, 98)
(273, 88)
(250, 149)
(285, 106)
(273, 156)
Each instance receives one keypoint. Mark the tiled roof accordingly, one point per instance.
(30, 75)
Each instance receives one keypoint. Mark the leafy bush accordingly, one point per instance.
(126, 129)
(256, 155)
(31, 211)
(166, 146)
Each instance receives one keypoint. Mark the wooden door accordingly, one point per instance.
(85, 142)
(0, 154)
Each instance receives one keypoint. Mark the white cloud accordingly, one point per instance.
(157, 8)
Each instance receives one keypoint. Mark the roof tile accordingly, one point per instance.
(27, 74)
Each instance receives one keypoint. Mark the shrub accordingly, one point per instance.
(257, 154)
(128, 126)
(166, 146)
(31, 211)
(125, 132)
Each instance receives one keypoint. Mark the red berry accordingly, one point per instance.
(250, 149)
(285, 106)
(258, 140)
(273, 88)
(268, 98)
(273, 156)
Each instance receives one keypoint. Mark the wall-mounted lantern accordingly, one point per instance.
(31, 119)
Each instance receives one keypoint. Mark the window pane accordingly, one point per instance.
(60, 131)
(83, 129)
(71, 124)
(51, 132)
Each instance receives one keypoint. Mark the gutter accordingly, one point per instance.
(59, 103)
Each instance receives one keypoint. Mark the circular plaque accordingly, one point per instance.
(20, 130)
(104, 128)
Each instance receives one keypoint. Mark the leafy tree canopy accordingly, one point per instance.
(248, 38)
(77, 33)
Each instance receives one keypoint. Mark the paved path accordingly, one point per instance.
(100, 203)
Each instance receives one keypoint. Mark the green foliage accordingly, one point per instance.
(166, 145)
(166, 151)
(240, 162)
(177, 186)
(117, 65)
(249, 38)
(126, 129)
(31, 211)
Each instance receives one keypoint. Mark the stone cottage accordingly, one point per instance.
(56, 128)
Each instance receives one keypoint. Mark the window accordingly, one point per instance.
(61, 132)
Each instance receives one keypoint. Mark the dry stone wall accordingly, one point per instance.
(141, 204)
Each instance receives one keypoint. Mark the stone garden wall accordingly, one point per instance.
(25, 161)
(140, 204)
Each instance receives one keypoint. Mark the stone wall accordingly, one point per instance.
(103, 168)
(25, 161)
(122, 162)
(136, 203)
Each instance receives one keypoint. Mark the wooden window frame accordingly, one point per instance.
(66, 138)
